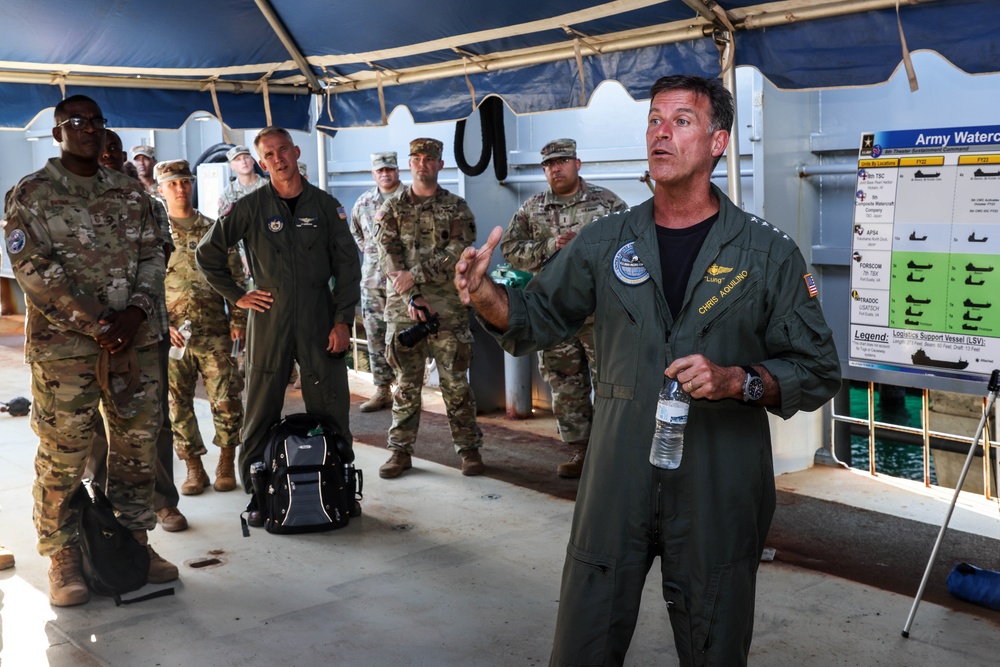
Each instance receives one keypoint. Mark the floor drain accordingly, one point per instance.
(205, 563)
(491, 496)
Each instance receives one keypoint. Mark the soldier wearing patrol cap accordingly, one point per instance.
(87, 251)
(385, 171)
(213, 326)
(247, 179)
(297, 244)
(420, 235)
(144, 159)
(541, 227)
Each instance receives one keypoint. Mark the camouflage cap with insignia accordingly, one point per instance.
(144, 150)
(385, 160)
(237, 151)
(558, 148)
(171, 170)
(431, 147)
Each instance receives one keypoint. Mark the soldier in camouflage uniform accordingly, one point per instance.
(247, 180)
(544, 224)
(144, 160)
(88, 254)
(214, 327)
(385, 171)
(420, 235)
(165, 494)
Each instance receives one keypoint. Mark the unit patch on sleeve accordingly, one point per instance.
(15, 241)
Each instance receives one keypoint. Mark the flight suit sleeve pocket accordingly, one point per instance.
(804, 330)
(588, 588)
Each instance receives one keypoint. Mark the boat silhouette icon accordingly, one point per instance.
(969, 327)
(978, 269)
(968, 316)
(980, 172)
(912, 299)
(911, 279)
(970, 281)
(913, 265)
(970, 304)
(914, 237)
(909, 311)
(973, 239)
(912, 322)
(920, 174)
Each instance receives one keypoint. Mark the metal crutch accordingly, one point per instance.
(993, 388)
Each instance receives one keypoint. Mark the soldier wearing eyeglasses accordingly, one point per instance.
(87, 251)
(541, 227)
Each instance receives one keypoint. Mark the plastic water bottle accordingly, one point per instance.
(185, 331)
(671, 418)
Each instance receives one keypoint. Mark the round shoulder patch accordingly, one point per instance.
(628, 268)
(15, 241)
(275, 224)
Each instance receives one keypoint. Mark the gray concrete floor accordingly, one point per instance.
(440, 570)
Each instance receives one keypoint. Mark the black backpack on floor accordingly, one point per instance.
(114, 563)
(307, 481)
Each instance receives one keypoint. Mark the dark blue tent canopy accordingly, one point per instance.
(151, 65)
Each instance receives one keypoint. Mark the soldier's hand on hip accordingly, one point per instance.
(257, 299)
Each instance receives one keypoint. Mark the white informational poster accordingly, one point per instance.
(925, 260)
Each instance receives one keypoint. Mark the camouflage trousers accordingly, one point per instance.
(65, 415)
(567, 368)
(373, 315)
(451, 347)
(224, 387)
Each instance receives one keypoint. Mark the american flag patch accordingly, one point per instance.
(811, 285)
(342, 213)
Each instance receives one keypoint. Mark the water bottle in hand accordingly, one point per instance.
(185, 331)
(671, 418)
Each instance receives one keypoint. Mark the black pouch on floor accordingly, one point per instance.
(307, 481)
(114, 563)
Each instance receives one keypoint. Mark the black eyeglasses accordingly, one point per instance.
(78, 123)
(556, 162)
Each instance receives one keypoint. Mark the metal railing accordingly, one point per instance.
(925, 435)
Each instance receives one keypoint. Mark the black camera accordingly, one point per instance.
(421, 330)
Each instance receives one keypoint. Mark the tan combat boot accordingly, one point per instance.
(225, 472)
(397, 463)
(171, 519)
(197, 479)
(472, 462)
(66, 584)
(160, 570)
(6, 558)
(574, 467)
(381, 399)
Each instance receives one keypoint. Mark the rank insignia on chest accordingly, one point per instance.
(627, 266)
(275, 224)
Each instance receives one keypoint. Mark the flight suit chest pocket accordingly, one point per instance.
(308, 231)
(619, 326)
(736, 304)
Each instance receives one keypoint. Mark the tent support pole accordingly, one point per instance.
(293, 50)
(733, 152)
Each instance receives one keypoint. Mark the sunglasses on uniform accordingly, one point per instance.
(78, 123)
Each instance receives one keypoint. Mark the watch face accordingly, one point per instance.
(754, 389)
